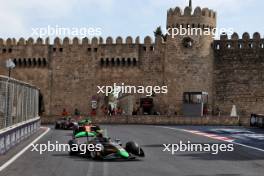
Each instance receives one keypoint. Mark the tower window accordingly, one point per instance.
(217, 47)
(187, 42)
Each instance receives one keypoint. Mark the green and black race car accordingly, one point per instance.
(110, 150)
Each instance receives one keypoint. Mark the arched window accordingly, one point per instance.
(128, 61)
(15, 61)
(44, 62)
(134, 61)
(107, 62)
(24, 62)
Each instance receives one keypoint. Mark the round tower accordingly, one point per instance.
(189, 55)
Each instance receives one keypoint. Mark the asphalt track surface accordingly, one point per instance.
(242, 162)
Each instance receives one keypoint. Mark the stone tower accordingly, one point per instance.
(189, 56)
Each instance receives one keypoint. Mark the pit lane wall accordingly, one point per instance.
(161, 120)
(19, 104)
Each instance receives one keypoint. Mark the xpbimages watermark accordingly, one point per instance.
(128, 89)
(191, 147)
(193, 31)
(57, 147)
(49, 31)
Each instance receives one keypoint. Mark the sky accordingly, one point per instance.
(19, 18)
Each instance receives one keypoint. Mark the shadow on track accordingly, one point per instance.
(85, 158)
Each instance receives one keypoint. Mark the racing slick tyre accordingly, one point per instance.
(94, 155)
(134, 148)
(73, 144)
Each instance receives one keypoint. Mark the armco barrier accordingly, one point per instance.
(12, 135)
(157, 120)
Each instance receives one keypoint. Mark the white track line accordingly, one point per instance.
(10, 161)
(232, 142)
(247, 146)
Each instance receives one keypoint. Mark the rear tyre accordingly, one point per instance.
(134, 148)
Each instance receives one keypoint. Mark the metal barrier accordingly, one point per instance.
(18, 102)
(19, 107)
(257, 120)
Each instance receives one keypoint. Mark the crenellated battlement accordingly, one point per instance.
(234, 43)
(199, 18)
(198, 12)
(77, 41)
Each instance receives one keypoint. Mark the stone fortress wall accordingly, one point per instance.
(69, 71)
(239, 73)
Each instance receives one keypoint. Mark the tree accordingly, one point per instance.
(158, 32)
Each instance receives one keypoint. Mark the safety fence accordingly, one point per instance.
(19, 107)
(18, 102)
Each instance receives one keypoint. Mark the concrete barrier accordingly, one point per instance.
(11, 136)
(158, 120)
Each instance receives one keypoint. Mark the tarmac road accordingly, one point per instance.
(241, 162)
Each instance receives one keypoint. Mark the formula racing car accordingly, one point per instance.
(65, 123)
(110, 150)
(85, 126)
